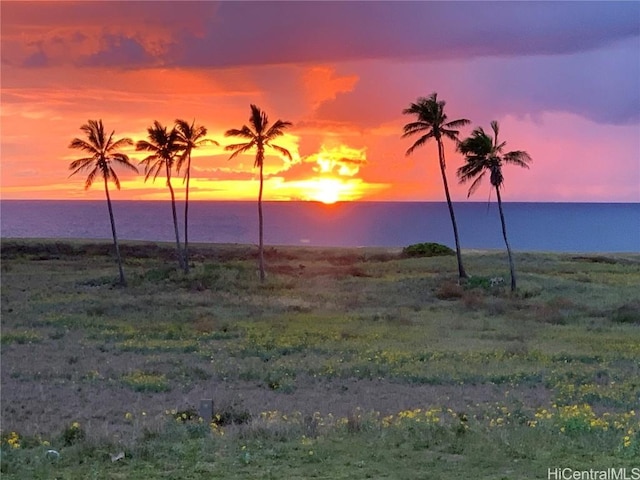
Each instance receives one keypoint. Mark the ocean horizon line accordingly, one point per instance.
(340, 202)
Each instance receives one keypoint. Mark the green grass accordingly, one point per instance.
(346, 363)
(20, 337)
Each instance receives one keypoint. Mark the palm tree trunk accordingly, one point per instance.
(123, 282)
(186, 217)
(461, 271)
(506, 242)
(175, 219)
(261, 228)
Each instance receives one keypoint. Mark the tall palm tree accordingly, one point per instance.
(259, 135)
(103, 155)
(484, 154)
(432, 123)
(165, 148)
(190, 137)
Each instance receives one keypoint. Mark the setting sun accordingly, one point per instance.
(329, 190)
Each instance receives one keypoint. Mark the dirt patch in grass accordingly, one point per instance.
(103, 407)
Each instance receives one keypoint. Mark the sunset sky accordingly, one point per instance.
(563, 80)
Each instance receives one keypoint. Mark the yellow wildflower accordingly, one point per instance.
(13, 440)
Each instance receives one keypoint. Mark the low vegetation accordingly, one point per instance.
(427, 249)
(344, 363)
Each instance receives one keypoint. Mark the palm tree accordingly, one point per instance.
(484, 154)
(164, 147)
(432, 123)
(103, 155)
(190, 136)
(259, 136)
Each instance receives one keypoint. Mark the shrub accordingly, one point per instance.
(146, 382)
(73, 434)
(449, 291)
(428, 249)
(627, 313)
(231, 414)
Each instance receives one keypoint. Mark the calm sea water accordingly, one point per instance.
(565, 227)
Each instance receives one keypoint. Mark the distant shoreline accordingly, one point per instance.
(135, 247)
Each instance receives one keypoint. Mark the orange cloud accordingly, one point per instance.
(321, 84)
(341, 160)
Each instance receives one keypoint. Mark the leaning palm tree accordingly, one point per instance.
(190, 137)
(484, 154)
(259, 135)
(103, 155)
(165, 148)
(432, 122)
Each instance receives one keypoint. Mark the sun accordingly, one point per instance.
(324, 189)
(327, 190)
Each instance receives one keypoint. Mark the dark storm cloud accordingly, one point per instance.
(252, 33)
(119, 51)
(602, 85)
(224, 34)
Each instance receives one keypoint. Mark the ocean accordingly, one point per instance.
(561, 227)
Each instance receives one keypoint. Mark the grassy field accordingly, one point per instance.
(345, 363)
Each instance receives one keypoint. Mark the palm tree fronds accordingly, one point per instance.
(151, 163)
(476, 183)
(495, 128)
(457, 123)
(153, 170)
(418, 143)
(143, 145)
(95, 133)
(414, 127)
(479, 144)
(258, 119)
(122, 142)
(277, 128)
(473, 167)
(124, 161)
(107, 144)
(450, 134)
(90, 178)
(244, 132)
(239, 148)
(81, 164)
(518, 157)
(80, 144)
(282, 150)
(114, 177)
